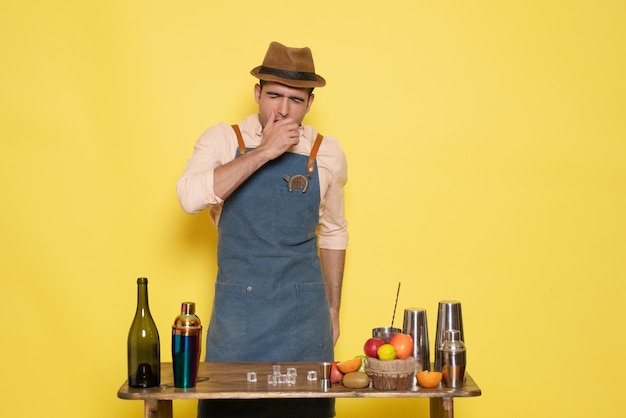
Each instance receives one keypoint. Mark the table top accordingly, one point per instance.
(229, 381)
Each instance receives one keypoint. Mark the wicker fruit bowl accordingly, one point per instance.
(391, 374)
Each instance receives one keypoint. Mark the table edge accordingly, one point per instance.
(167, 392)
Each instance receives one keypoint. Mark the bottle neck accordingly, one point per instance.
(143, 308)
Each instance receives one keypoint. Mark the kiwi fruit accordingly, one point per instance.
(356, 380)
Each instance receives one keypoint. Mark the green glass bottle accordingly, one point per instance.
(144, 357)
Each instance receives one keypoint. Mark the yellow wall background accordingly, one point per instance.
(487, 154)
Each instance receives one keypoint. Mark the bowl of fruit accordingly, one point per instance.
(390, 365)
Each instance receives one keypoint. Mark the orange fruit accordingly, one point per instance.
(349, 366)
(403, 343)
(428, 379)
(386, 352)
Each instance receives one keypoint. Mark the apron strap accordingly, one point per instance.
(311, 163)
(242, 145)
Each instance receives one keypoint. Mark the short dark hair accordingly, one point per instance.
(310, 90)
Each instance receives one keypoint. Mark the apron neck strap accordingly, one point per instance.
(311, 164)
(242, 145)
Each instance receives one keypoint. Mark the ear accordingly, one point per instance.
(257, 93)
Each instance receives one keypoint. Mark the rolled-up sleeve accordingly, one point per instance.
(215, 147)
(333, 226)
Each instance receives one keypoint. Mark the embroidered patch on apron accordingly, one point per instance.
(297, 182)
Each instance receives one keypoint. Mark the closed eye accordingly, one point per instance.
(295, 99)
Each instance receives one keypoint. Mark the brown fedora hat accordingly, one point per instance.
(291, 66)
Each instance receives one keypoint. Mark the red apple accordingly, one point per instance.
(371, 346)
(335, 375)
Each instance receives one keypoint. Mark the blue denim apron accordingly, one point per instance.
(270, 299)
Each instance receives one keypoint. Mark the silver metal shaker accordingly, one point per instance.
(416, 325)
(449, 317)
(454, 359)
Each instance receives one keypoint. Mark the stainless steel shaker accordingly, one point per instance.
(454, 359)
(416, 325)
(449, 317)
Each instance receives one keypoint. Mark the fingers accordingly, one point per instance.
(281, 127)
(279, 134)
(270, 121)
(273, 122)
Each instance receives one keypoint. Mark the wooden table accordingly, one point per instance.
(229, 381)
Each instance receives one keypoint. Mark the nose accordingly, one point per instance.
(283, 108)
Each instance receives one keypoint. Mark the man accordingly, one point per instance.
(274, 188)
